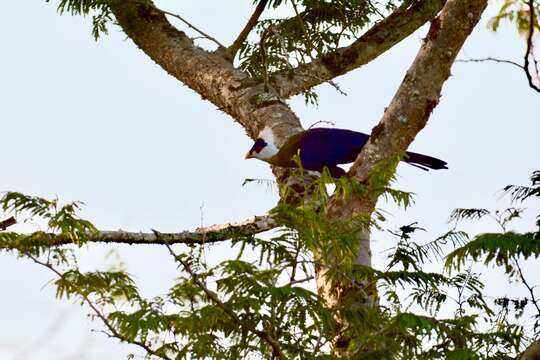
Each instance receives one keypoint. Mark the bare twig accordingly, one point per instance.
(263, 335)
(237, 44)
(7, 223)
(492, 59)
(321, 122)
(204, 35)
(206, 235)
(527, 285)
(528, 53)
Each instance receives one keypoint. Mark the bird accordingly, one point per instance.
(324, 147)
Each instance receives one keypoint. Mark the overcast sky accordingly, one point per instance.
(101, 123)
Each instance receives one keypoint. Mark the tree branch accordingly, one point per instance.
(203, 34)
(7, 223)
(237, 44)
(500, 61)
(381, 37)
(201, 236)
(528, 52)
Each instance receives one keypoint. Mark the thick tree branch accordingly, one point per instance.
(237, 44)
(492, 59)
(417, 96)
(381, 37)
(205, 235)
(209, 74)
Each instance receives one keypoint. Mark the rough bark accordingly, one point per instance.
(382, 36)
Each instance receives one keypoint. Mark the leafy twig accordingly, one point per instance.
(504, 61)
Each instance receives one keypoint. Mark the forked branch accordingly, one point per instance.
(382, 36)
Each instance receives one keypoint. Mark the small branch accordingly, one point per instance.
(263, 335)
(304, 29)
(203, 235)
(237, 44)
(527, 285)
(503, 61)
(299, 281)
(204, 35)
(528, 53)
(7, 223)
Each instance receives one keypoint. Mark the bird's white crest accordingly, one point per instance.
(270, 150)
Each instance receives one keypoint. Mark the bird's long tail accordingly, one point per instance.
(424, 162)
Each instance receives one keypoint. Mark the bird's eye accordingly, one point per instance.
(259, 145)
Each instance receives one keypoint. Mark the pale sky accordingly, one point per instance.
(101, 123)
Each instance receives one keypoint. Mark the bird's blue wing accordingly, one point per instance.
(321, 147)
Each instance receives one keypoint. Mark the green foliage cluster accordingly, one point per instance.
(317, 27)
(519, 13)
(98, 9)
(263, 304)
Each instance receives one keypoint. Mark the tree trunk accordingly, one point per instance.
(406, 115)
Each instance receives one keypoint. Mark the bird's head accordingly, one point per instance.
(264, 147)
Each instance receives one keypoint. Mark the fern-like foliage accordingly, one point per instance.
(496, 248)
(98, 9)
(264, 305)
(517, 12)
